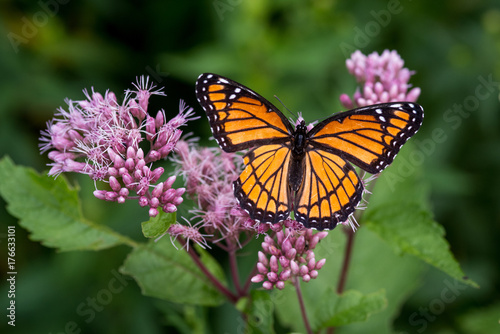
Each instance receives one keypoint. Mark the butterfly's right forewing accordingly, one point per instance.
(239, 117)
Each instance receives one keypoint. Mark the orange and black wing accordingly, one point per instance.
(329, 193)
(370, 137)
(239, 117)
(242, 119)
(262, 188)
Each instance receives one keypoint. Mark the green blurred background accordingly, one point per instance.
(52, 50)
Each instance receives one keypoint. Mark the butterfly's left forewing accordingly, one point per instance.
(239, 117)
(370, 137)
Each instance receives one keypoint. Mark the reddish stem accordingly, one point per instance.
(234, 270)
(246, 286)
(347, 260)
(217, 284)
(302, 306)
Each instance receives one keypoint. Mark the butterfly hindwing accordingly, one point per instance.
(330, 191)
(371, 136)
(239, 117)
(262, 188)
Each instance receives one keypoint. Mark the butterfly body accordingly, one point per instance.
(296, 167)
(293, 169)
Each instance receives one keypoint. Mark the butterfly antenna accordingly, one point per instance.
(291, 112)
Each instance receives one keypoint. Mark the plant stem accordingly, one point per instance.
(233, 264)
(347, 260)
(217, 284)
(246, 286)
(296, 282)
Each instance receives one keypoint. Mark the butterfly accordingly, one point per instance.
(289, 168)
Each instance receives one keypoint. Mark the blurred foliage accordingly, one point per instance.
(296, 50)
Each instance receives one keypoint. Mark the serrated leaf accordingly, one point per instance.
(350, 307)
(158, 225)
(408, 228)
(164, 272)
(50, 209)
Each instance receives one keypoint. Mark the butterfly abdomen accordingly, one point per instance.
(297, 163)
(296, 172)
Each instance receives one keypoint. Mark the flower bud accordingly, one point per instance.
(157, 191)
(100, 194)
(261, 268)
(267, 285)
(257, 278)
(262, 258)
(272, 276)
(273, 264)
(114, 184)
(153, 212)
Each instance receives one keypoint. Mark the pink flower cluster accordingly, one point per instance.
(383, 79)
(100, 137)
(289, 257)
(209, 175)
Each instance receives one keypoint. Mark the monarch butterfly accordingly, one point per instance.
(293, 169)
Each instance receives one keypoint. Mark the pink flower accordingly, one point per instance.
(100, 137)
(383, 79)
(188, 232)
(290, 254)
(209, 174)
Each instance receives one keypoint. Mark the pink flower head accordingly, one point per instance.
(290, 254)
(209, 175)
(383, 79)
(100, 137)
(188, 232)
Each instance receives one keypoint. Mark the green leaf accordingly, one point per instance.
(350, 307)
(50, 209)
(158, 225)
(260, 312)
(484, 320)
(408, 228)
(211, 264)
(399, 213)
(375, 266)
(187, 319)
(164, 272)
